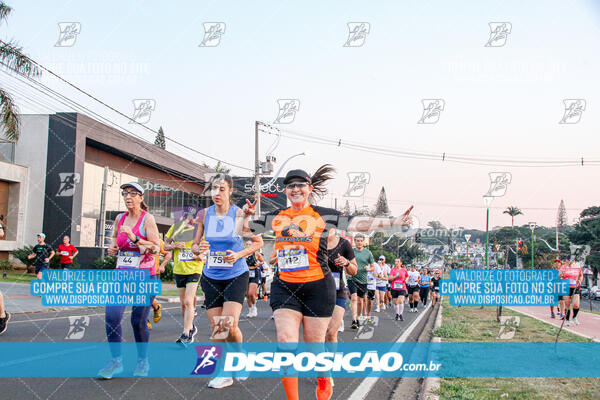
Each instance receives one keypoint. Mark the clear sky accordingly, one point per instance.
(502, 102)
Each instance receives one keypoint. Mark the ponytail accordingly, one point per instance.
(318, 180)
(144, 206)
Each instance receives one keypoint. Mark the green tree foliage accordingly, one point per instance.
(160, 139)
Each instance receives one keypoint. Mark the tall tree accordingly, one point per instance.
(381, 207)
(218, 168)
(160, 139)
(13, 59)
(561, 217)
(513, 212)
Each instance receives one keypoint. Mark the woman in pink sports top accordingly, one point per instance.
(134, 241)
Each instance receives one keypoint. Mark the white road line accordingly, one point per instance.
(87, 315)
(363, 389)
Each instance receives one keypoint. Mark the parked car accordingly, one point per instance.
(585, 291)
(595, 292)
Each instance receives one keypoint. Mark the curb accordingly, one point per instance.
(564, 328)
(431, 385)
(363, 389)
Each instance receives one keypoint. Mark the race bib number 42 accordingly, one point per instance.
(216, 259)
(128, 259)
(292, 259)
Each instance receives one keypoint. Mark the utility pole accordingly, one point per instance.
(103, 210)
(256, 168)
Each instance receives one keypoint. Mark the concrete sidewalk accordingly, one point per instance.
(589, 324)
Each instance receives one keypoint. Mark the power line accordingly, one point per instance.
(120, 113)
(442, 156)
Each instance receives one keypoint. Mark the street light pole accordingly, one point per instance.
(532, 227)
(487, 201)
(256, 168)
(467, 237)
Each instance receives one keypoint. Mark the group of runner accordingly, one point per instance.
(573, 272)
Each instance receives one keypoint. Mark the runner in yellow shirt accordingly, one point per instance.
(159, 268)
(187, 269)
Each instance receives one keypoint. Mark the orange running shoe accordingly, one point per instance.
(324, 389)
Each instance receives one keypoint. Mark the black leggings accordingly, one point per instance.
(424, 293)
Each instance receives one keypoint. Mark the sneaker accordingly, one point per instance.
(192, 333)
(157, 314)
(575, 322)
(383, 307)
(196, 311)
(401, 317)
(272, 316)
(567, 323)
(114, 366)
(552, 315)
(184, 340)
(142, 368)
(4, 322)
(324, 390)
(416, 310)
(354, 324)
(341, 328)
(250, 313)
(255, 310)
(397, 317)
(220, 382)
(378, 310)
(149, 325)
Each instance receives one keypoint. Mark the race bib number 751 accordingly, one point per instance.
(216, 259)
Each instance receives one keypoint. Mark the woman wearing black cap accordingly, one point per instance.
(303, 292)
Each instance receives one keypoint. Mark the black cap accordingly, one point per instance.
(297, 173)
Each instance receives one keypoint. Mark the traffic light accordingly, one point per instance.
(520, 245)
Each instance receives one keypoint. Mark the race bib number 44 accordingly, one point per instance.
(216, 259)
(128, 259)
(292, 259)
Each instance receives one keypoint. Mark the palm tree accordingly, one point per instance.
(12, 58)
(513, 212)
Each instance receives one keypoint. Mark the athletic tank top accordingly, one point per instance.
(425, 279)
(220, 233)
(129, 256)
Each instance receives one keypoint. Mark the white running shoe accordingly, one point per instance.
(220, 382)
(341, 328)
(255, 310)
(567, 323)
(575, 322)
(383, 307)
(378, 310)
(250, 314)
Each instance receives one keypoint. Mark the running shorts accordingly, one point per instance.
(371, 294)
(41, 267)
(311, 299)
(381, 288)
(412, 289)
(254, 276)
(424, 291)
(359, 288)
(340, 302)
(219, 291)
(181, 281)
(398, 293)
(574, 290)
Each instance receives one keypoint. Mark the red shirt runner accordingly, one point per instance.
(65, 252)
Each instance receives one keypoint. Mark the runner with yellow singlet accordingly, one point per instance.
(159, 269)
(187, 269)
(303, 291)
